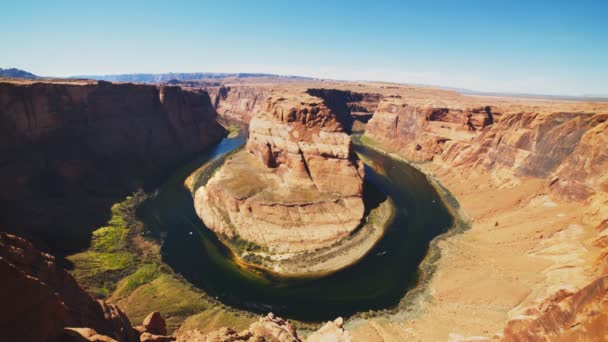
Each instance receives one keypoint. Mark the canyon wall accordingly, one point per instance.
(40, 299)
(238, 103)
(298, 184)
(565, 154)
(566, 148)
(67, 150)
(421, 133)
(352, 108)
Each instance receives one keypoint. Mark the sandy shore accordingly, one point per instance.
(521, 247)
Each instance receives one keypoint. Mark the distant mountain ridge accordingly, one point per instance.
(164, 77)
(17, 73)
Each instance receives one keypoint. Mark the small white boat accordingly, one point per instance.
(381, 253)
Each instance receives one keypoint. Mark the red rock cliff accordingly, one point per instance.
(67, 150)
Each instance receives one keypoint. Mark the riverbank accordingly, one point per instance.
(521, 247)
(124, 266)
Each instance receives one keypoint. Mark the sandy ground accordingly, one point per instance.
(522, 246)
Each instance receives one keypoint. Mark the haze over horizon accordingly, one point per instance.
(544, 47)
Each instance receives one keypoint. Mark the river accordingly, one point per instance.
(378, 281)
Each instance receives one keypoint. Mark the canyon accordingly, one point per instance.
(70, 147)
(528, 176)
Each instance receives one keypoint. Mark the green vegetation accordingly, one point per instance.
(110, 256)
(167, 293)
(124, 265)
(144, 274)
(242, 246)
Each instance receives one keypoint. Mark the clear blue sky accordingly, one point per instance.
(555, 47)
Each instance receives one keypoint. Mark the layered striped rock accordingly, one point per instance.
(296, 186)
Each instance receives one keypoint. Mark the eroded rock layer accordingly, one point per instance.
(40, 298)
(238, 102)
(543, 175)
(296, 186)
(565, 147)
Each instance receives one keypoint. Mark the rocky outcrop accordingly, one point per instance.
(238, 103)
(421, 133)
(69, 149)
(566, 316)
(241, 102)
(269, 328)
(296, 187)
(565, 147)
(350, 107)
(332, 331)
(40, 298)
(154, 324)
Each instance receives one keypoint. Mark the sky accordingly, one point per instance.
(534, 46)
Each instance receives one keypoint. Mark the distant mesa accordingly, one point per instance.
(17, 73)
(173, 76)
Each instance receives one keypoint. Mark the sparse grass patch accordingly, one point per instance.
(108, 239)
(167, 294)
(241, 245)
(110, 257)
(143, 275)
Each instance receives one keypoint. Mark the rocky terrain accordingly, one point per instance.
(238, 103)
(532, 181)
(69, 149)
(296, 187)
(42, 302)
(41, 299)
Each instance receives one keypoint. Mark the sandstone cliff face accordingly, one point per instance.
(421, 133)
(297, 186)
(350, 107)
(241, 102)
(69, 149)
(40, 298)
(560, 147)
(566, 147)
(238, 102)
(567, 316)
(269, 328)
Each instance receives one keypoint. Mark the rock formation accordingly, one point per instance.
(269, 328)
(69, 149)
(421, 133)
(297, 186)
(567, 150)
(353, 108)
(238, 103)
(548, 145)
(40, 298)
(332, 331)
(43, 302)
(567, 316)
